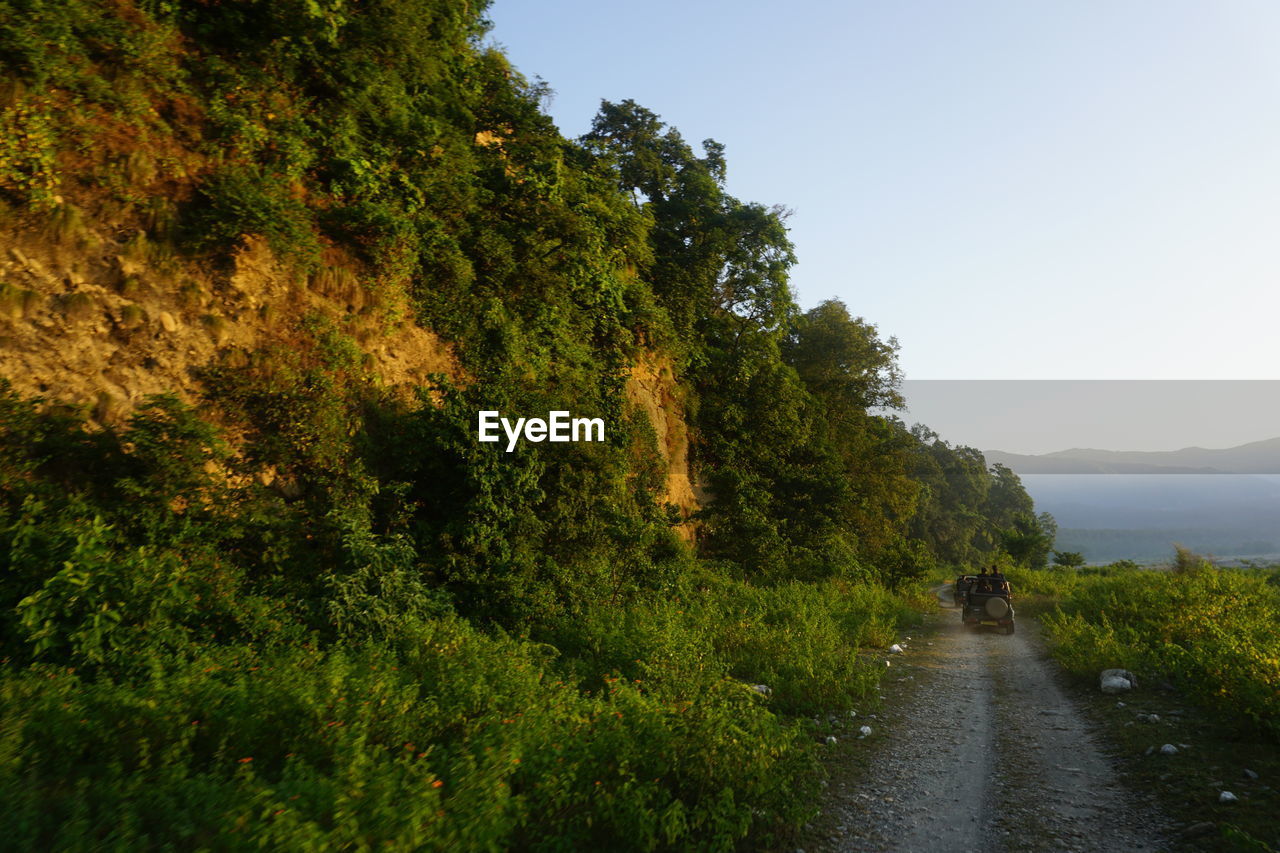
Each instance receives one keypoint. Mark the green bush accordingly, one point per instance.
(241, 201)
(1210, 631)
(464, 742)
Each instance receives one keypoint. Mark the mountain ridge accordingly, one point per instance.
(1255, 457)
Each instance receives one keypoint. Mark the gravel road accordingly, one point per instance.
(980, 748)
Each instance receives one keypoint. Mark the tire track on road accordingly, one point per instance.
(981, 748)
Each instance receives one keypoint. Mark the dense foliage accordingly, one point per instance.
(410, 638)
(1209, 631)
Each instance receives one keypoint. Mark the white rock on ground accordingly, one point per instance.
(865, 731)
(762, 689)
(831, 740)
(1227, 797)
(1168, 749)
(1117, 681)
(895, 649)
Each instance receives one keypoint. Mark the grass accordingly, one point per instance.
(1189, 783)
(637, 730)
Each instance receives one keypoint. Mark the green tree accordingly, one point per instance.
(1068, 559)
(843, 361)
(849, 371)
(1029, 539)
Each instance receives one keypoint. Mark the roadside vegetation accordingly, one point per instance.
(1204, 643)
(1208, 631)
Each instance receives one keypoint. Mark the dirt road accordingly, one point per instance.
(980, 748)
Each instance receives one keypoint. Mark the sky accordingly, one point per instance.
(1041, 416)
(1048, 190)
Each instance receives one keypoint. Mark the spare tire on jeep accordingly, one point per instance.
(997, 608)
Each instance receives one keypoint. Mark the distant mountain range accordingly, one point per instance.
(1257, 457)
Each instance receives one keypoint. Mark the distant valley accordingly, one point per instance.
(1152, 499)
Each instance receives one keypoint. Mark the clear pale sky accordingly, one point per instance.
(1040, 416)
(1016, 190)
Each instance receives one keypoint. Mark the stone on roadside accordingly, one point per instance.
(1249, 774)
(1227, 797)
(1168, 749)
(1117, 681)
(895, 649)
(831, 740)
(865, 731)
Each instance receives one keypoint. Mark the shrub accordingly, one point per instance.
(1209, 630)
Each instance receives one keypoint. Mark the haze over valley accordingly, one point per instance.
(1114, 505)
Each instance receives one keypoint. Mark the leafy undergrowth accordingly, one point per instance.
(443, 737)
(187, 664)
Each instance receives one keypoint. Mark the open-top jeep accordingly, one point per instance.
(986, 604)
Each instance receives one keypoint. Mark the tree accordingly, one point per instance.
(1068, 559)
(842, 359)
(720, 265)
(1007, 496)
(1029, 540)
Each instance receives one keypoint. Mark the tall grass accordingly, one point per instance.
(1213, 632)
(637, 730)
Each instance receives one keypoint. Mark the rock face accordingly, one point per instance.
(1117, 681)
(652, 388)
(80, 321)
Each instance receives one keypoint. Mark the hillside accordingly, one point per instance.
(1256, 457)
(264, 587)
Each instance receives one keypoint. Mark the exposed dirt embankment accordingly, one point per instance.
(89, 319)
(94, 315)
(652, 388)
